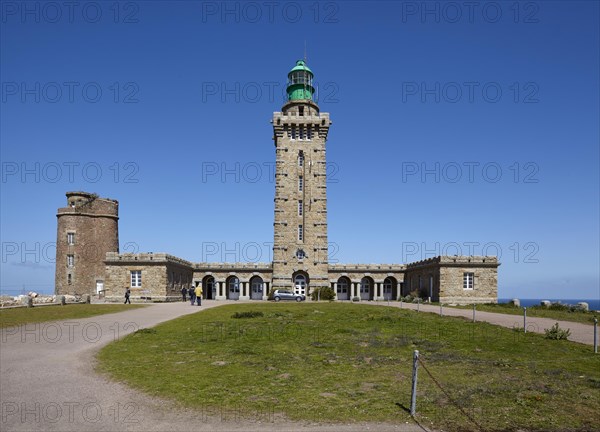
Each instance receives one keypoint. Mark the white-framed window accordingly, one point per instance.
(301, 158)
(300, 254)
(300, 208)
(300, 184)
(300, 233)
(70, 260)
(71, 238)
(468, 281)
(136, 278)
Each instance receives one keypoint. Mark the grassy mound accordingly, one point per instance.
(336, 362)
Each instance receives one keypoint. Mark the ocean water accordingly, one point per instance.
(594, 303)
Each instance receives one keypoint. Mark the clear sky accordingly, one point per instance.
(469, 128)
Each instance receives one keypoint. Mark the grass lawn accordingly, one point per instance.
(19, 316)
(334, 362)
(557, 313)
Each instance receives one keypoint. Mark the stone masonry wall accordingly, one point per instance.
(313, 195)
(163, 276)
(93, 223)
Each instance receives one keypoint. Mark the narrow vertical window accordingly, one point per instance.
(468, 281)
(301, 159)
(136, 279)
(71, 238)
(309, 132)
(300, 184)
(301, 132)
(69, 279)
(293, 132)
(70, 260)
(300, 233)
(300, 208)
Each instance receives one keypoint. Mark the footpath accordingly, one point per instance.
(582, 333)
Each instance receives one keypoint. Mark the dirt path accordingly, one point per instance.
(582, 333)
(47, 383)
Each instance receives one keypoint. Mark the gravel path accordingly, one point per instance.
(47, 383)
(582, 333)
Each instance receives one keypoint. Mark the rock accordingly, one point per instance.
(61, 299)
(32, 294)
(70, 298)
(583, 306)
(545, 303)
(515, 302)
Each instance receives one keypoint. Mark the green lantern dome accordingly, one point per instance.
(300, 80)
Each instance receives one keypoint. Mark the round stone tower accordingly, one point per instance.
(87, 228)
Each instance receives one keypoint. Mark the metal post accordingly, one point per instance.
(524, 320)
(595, 335)
(413, 398)
(473, 313)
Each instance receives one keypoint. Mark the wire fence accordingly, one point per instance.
(450, 398)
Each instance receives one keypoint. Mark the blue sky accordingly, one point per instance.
(455, 130)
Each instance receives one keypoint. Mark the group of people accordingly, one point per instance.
(194, 293)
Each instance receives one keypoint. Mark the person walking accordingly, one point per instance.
(183, 293)
(198, 293)
(127, 294)
(192, 294)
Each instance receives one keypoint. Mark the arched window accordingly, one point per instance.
(300, 254)
(300, 281)
(234, 284)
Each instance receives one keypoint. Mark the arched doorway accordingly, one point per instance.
(233, 288)
(301, 284)
(390, 288)
(256, 288)
(343, 288)
(366, 288)
(209, 288)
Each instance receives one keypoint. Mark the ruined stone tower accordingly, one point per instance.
(87, 229)
(300, 228)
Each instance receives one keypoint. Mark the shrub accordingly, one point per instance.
(326, 293)
(247, 314)
(556, 333)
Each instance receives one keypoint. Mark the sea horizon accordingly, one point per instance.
(594, 304)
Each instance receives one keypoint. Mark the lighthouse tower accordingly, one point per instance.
(300, 245)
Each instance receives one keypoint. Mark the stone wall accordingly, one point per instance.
(221, 276)
(384, 280)
(162, 276)
(92, 223)
(300, 129)
(442, 278)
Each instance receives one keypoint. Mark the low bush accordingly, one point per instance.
(325, 293)
(247, 314)
(556, 333)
